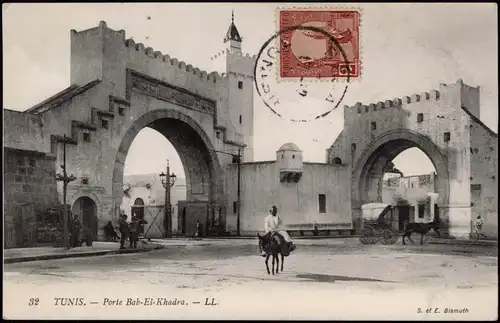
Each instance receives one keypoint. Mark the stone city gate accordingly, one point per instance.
(118, 88)
(445, 125)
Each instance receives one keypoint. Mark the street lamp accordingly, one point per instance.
(66, 180)
(168, 181)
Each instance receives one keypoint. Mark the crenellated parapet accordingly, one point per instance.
(130, 45)
(234, 62)
(361, 108)
(235, 53)
(169, 61)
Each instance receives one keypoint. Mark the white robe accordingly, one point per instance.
(272, 224)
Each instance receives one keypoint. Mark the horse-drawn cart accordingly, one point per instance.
(377, 224)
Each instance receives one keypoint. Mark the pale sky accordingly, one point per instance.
(407, 48)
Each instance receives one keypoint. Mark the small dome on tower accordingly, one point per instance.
(289, 146)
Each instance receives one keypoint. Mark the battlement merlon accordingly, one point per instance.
(104, 53)
(468, 98)
(229, 61)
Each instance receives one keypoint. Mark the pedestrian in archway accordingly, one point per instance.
(110, 233)
(134, 229)
(124, 230)
(478, 227)
(198, 231)
(75, 232)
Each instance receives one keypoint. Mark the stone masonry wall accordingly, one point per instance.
(484, 177)
(29, 177)
(29, 184)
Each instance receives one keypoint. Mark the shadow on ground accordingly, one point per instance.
(322, 278)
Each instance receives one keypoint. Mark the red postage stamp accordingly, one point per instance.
(307, 52)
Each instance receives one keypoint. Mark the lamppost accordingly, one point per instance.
(65, 179)
(168, 181)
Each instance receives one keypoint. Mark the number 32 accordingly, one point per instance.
(34, 301)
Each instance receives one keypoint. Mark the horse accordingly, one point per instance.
(274, 247)
(422, 228)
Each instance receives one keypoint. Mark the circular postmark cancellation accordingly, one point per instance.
(316, 94)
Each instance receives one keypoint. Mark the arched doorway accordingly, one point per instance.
(376, 160)
(86, 210)
(138, 211)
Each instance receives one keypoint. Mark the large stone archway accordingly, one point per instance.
(375, 160)
(445, 125)
(201, 165)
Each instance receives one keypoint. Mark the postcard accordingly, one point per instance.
(275, 161)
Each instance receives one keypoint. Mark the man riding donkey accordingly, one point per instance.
(272, 224)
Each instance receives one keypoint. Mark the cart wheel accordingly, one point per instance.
(367, 236)
(389, 237)
(377, 236)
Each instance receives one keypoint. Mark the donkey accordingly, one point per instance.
(274, 247)
(422, 228)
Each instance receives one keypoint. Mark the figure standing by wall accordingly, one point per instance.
(478, 227)
(75, 232)
(124, 233)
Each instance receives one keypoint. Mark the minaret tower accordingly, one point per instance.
(233, 36)
(237, 69)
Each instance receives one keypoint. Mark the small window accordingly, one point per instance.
(235, 207)
(374, 126)
(322, 203)
(337, 161)
(359, 110)
(217, 134)
(240, 85)
(85, 181)
(420, 117)
(104, 123)
(86, 136)
(281, 156)
(121, 111)
(353, 147)
(421, 211)
(32, 162)
(446, 136)
(241, 119)
(367, 108)
(475, 187)
(53, 147)
(293, 156)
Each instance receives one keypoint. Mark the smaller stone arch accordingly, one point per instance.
(337, 161)
(72, 199)
(86, 209)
